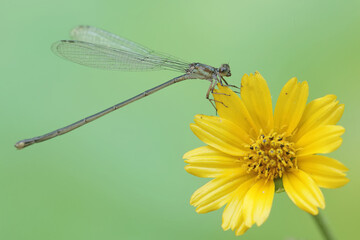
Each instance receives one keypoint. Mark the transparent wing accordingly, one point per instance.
(102, 37)
(97, 48)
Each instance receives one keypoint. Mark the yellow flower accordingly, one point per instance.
(249, 147)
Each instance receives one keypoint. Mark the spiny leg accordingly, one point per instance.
(214, 106)
(222, 78)
(233, 86)
(216, 101)
(210, 90)
(219, 93)
(228, 85)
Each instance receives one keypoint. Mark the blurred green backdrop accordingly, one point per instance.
(122, 177)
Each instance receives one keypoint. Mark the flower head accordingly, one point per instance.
(249, 147)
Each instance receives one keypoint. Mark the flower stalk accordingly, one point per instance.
(324, 227)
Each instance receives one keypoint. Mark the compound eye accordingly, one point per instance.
(225, 70)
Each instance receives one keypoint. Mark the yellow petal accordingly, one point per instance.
(321, 111)
(209, 162)
(258, 201)
(231, 107)
(323, 139)
(233, 214)
(290, 106)
(257, 99)
(221, 134)
(203, 151)
(217, 192)
(241, 229)
(326, 172)
(303, 191)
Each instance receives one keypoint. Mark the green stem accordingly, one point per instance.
(324, 226)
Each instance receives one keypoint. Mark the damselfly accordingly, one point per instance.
(97, 48)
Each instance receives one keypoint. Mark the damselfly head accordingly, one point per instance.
(224, 70)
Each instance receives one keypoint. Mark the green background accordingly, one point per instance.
(122, 176)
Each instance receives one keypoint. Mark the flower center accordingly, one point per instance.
(270, 156)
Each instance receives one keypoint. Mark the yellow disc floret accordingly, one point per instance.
(270, 156)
